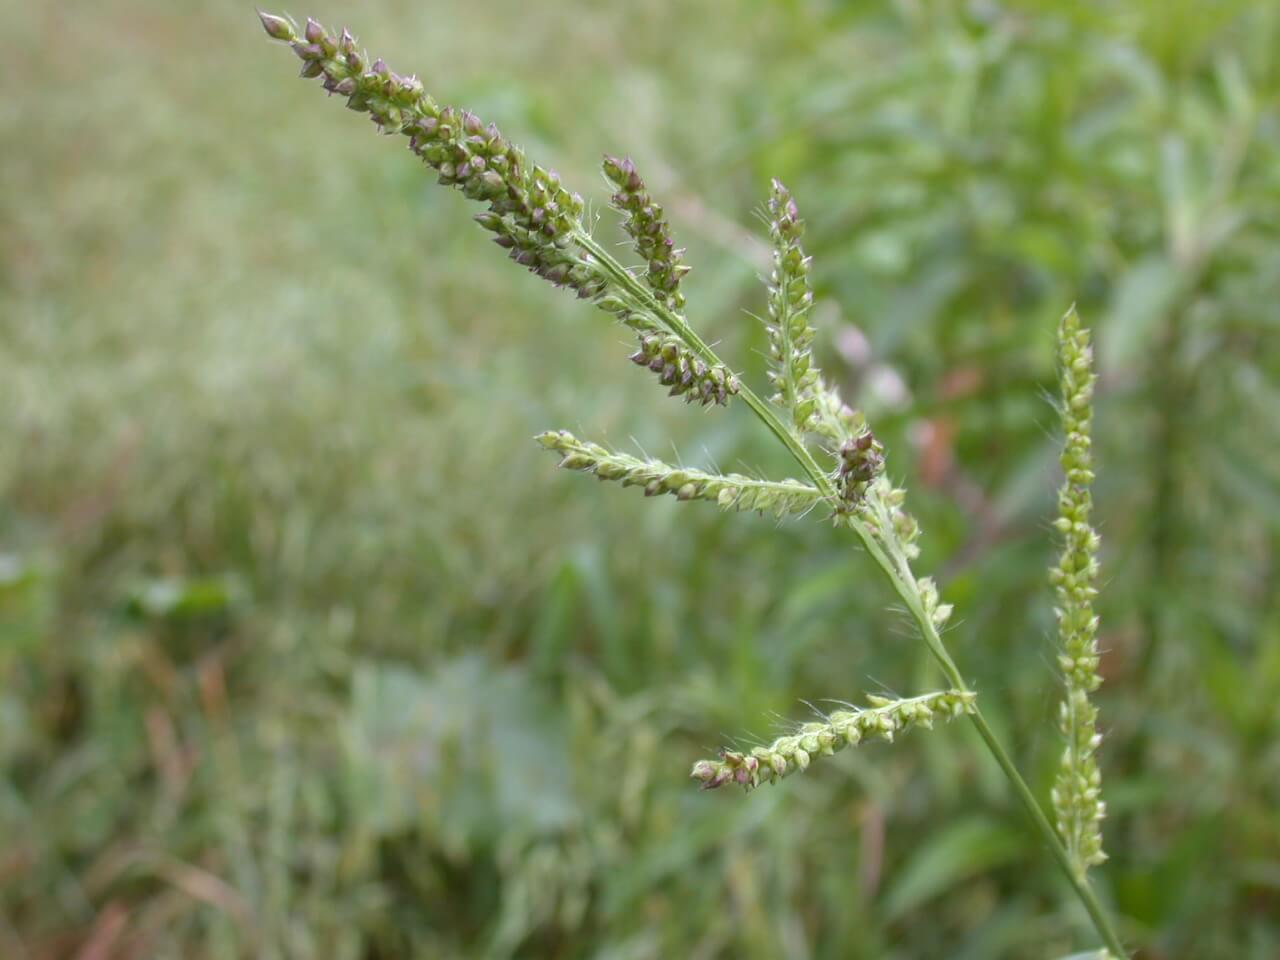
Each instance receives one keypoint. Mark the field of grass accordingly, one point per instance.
(307, 651)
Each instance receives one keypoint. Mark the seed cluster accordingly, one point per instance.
(646, 224)
(1077, 789)
(730, 491)
(531, 214)
(687, 376)
(791, 370)
(884, 719)
(861, 462)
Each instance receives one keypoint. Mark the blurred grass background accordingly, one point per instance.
(307, 651)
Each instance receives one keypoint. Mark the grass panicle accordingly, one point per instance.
(539, 222)
(883, 719)
(1077, 791)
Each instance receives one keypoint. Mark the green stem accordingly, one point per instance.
(903, 585)
(895, 567)
(1080, 883)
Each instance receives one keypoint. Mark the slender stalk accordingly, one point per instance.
(896, 567)
(1097, 913)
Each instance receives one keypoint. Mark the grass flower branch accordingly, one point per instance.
(730, 491)
(884, 719)
(647, 226)
(792, 370)
(532, 216)
(1077, 790)
(797, 382)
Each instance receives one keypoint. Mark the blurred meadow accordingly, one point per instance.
(306, 651)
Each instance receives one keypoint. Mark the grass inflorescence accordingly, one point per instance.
(533, 216)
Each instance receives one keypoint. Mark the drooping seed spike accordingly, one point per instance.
(537, 215)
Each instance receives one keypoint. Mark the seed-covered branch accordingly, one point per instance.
(791, 368)
(530, 213)
(883, 720)
(685, 374)
(650, 233)
(730, 491)
(1077, 790)
(799, 388)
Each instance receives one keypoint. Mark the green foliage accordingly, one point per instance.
(208, 383)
